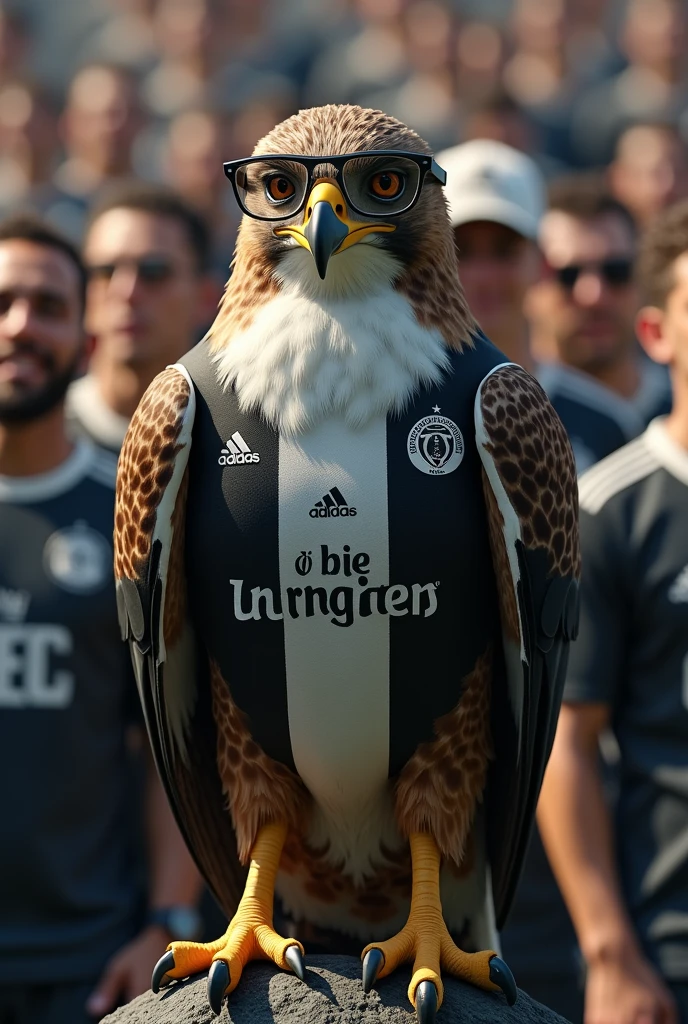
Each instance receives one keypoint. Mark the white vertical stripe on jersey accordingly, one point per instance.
(337, 676)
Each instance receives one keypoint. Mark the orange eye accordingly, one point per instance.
(387, 185)
(280, 188)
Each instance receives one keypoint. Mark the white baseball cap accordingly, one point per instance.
(487, 180)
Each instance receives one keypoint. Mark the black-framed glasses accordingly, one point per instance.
(150, 269)
(615, 272)
(380, 183)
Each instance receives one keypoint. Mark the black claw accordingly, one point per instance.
(501, 975)
(426, 1002)
(164, 964)
(294, 958)
(373, 963)
(218, 982)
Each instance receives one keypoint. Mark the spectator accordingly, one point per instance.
(28, 144)
(74, 928)
(149, 295)
(496, 197)
(584, 312)
(366, 54)
(498, 116)
(192, 38)
(100, 124)
(127, 37)
(591, 34)
(15, 42)
(651, 88)
(624, 877)
(427, 96)
(650, 170)
(480, 53)
(198, 141)
(542, 74)
(399, 57)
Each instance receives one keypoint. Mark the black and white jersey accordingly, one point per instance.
(597, 420)
(70, 886)
(88, 416)
(341, 551)
(632, 653)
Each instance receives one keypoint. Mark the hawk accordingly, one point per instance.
(347, 563)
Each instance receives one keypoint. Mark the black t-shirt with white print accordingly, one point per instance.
(70, 871)
(632, 653)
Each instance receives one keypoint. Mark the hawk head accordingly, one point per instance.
(340, 201)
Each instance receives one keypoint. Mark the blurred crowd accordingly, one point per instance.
(114, 125)
(164, 90)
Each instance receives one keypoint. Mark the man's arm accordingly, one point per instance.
(174, 881)
(576, 828)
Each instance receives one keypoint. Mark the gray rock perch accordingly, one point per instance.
(332, 995)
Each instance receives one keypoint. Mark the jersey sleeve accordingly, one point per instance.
(596, 660)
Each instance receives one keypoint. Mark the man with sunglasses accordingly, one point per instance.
(148, 299)
(497, 199)
(583, 312)
(625, 874)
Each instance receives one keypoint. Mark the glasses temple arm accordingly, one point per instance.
(438, 172)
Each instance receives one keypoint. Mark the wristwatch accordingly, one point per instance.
(179, 922)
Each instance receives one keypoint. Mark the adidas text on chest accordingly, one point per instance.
(237, 452)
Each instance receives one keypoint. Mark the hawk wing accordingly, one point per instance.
(172, 672)
(531, 495)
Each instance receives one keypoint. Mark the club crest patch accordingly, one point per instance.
(435, 445)
(78, 559)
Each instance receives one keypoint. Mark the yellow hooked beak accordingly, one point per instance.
(326, 228)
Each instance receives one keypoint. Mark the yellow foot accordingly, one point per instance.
(425, 940)
(249, 936)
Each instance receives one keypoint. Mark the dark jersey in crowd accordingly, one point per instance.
(539, 941)
(597, 420)
(70, 856)
(632, 654)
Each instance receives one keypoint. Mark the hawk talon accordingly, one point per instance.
(159, 977)
(426, 1002)
(294, 958)
(218, 983)
(373, 962)
(500, 975)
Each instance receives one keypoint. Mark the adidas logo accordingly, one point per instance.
(678, 592)
(331, 506)
(237, 452)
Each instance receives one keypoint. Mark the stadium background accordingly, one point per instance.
(559, 79)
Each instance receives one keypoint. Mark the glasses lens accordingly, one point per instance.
(617, 272)
(151, 269)
(154, 269)
(567, 276)
(381, 185)
(273, 189)
(101, 271)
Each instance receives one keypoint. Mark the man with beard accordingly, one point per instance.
(583, 314)
(77, 935)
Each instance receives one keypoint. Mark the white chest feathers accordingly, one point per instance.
(308, 355)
